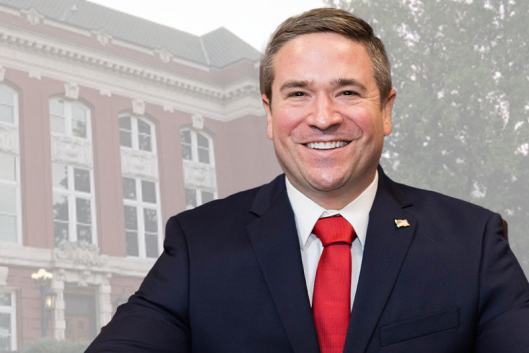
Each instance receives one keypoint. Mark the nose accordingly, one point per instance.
(324, 115)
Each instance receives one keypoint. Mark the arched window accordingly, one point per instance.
(70, 118)
(199, 167)
(8, 105)
(72, 172)
(10, 223)
(197, 147)
(136, 133)
(141, 200)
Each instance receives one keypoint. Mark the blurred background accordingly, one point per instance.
(116, 115)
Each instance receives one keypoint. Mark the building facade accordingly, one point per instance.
(109, 125)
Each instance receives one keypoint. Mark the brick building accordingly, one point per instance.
(110, 124)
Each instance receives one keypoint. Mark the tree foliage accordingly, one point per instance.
(49, 345)
(461, 119)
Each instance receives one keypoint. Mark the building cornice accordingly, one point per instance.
(75, 258)
(39, 56)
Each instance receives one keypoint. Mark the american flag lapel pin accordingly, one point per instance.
(402, 223)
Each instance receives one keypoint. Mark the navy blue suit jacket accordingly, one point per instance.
(231, 280)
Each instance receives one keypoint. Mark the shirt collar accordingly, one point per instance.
(307, 212)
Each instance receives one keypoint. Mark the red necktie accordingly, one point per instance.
(331, 302)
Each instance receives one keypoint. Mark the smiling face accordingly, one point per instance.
(325, 117)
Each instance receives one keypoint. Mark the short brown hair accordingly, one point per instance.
(334, 21)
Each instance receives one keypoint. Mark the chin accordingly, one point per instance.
(327, 183)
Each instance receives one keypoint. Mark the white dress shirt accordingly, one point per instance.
(307, 212)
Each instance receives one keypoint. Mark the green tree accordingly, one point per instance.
(49, 345)
(461, 119)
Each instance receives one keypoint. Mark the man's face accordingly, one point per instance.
(325, 117)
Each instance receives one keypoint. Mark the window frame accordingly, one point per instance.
(198, 196)
(135, 140)
(140, 205)
(68, 116)
(195, 148)
(16, 183)
(12, 310)
(18, 201)
(14, 92)
(72, 195)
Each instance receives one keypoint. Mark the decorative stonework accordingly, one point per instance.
(102, 37)
(2, 73)
(138, 107)
(34, 73)
(200, 176)
(33, 16)
(198, 121)
(8, 138)
(139, 164)
(168, 107)
(105, 91)
(4, 271)
(80, 253)
(41, 56)
(71, 150)
(164, 55)
(82, 278)
(71, 90)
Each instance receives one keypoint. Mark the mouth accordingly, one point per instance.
(326, 145)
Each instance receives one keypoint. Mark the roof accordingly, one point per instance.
(218, 48)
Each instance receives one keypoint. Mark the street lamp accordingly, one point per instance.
(42, 280)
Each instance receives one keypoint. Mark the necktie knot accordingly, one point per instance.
(333, 230)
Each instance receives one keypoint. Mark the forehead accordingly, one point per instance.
(321, 56)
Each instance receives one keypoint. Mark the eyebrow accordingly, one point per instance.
(338, 82)
(295, 84)
(341, 82)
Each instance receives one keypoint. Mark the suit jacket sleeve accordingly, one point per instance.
(156, 317)
(504, 296)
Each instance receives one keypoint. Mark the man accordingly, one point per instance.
(422, 272)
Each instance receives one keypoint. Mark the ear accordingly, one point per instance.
(386, 112)
(268, 110)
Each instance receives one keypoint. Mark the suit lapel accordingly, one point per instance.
(384, 253)
(274, 239)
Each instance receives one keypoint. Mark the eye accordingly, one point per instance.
(349, 93)
(296, 94)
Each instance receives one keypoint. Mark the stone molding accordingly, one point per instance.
(138, 107)
(164, 55)
(15, 255)
(139, 164)
(33, 16)
(71, 150)
(9, 138)
(71, 90)
(39, 57)
(79, 254)
(102, 37)
(200, 176)
(198, 121)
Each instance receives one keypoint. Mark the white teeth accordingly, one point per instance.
(326, 145)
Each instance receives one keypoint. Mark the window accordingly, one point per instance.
(70, 118)
(9, 201)
(8, 337)
(142, 217)
(10, 223)
(196, 147)
(197, 197)
(136, 133)
(8, 105)
(199, 160)
(73, 204)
